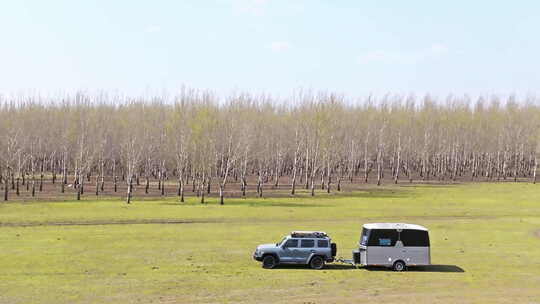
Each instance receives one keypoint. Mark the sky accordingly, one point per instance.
(278, 47)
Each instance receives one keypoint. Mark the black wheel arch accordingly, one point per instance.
(271, 254)
(317, 255)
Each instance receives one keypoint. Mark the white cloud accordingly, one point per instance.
(438, 48)
(395, 57)
(152, 29)
(251, 7)
(379, 56)
(280, 46)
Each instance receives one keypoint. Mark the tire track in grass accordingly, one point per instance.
(231, 220)
(105, 222)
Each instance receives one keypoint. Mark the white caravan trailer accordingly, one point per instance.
(393, 245)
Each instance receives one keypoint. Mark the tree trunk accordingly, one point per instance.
(366, 172)
(33, 185)
(260, 186)
(6, 189)
(293, 182)
(379, 166)
(202, 185)
(162, 191)
(307, 167)
(81, 185)
(276, 175)
(115, 178)
(181, 188)
(53, 170)
(97, 185)
(221, 194)
(102, 187)
(41, 176)
(129, 187)
(312, 185)
(244, 186)
(78, 190)
(396, 176)
(534, 170)
(64, 177)
(329, 177)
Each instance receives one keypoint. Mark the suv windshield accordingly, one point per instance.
(281, 242)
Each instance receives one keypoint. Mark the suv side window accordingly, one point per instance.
(322, 243)
(291, 243)
(307, 244)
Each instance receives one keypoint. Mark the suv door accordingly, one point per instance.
(307, 247)
(289, 251)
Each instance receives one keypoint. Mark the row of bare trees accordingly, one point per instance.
(312, 140)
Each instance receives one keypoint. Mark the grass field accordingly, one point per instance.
(485, 240)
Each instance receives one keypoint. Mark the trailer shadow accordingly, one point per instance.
(429, 268)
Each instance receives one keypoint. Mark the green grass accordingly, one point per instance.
(488, 230)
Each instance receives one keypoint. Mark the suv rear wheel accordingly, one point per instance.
(316, 263)
(269, 262)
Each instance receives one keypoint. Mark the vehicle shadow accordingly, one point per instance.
(429, 268)
(326, 267)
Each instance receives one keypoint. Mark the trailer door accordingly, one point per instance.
(416, 243)
(381, 248)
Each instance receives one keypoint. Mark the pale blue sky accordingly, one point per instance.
(273, 46)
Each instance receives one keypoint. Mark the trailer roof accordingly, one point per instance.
(394, 226)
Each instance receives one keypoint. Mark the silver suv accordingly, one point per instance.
(313, 248)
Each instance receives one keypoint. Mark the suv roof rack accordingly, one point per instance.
(309, 234)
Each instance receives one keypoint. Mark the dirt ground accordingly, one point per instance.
(52, 192)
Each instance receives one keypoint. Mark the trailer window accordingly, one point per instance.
(307, 244)
(364, 237)
(383, 237)
(414, 238)
(322, 243)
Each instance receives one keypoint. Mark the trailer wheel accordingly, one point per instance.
(316, 263)
(399, 266)
(269, 262)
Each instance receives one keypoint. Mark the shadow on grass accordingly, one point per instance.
(380, 193)
(429, 268)
(302, 199)
(306, 267)
(270, 203)
(250, 203)
(433, 185)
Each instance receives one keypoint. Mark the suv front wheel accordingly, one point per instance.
(316, 263)
(269, 262)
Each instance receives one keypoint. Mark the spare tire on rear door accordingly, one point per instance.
(334, 249)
